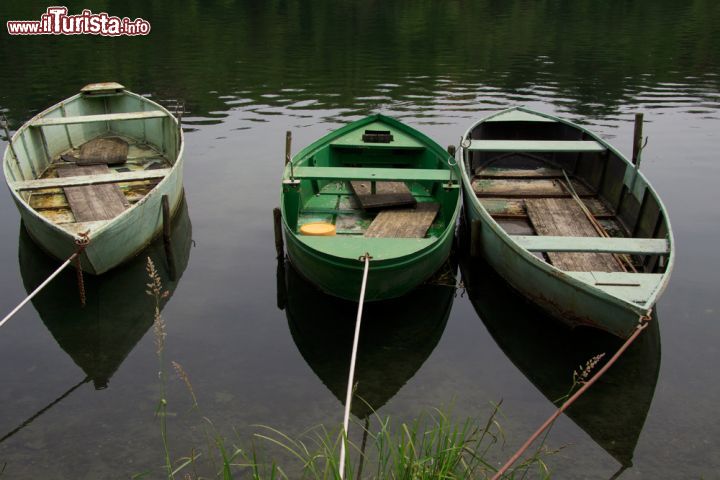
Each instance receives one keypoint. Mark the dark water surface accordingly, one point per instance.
(249, 71)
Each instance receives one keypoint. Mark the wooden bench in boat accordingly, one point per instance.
(106, 117)
(115, 177)
(379, 174)
(537, 146)
(633, 246)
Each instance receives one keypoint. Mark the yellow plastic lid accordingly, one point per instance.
(318, 229)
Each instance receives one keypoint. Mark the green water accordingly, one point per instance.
(249, 71)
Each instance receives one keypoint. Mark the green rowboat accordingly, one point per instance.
(407, 243)
(97, 163)
(566, 219)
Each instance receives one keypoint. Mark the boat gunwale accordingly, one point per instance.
(6, 158)
(642, 309)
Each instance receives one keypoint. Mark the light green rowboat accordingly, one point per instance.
(153, 169)
(529, 225)
(316, 188)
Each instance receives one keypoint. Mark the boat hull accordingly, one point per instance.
(564, 294)
(557, 293)
(120, 240)
(387, 279)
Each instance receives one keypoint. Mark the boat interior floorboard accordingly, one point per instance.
(337, 203)
(90, 203)
(403, 223)
(564, 217)
(536, 201)
(122, 154)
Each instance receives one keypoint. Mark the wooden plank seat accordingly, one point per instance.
(633, 246)
(527, 188)
(106, 117)
(379, 174)
(115, 177)
(537, 146)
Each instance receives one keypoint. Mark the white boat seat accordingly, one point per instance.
(107, 117)
(634, 246)
(538, 146)
(379, 174)
(90, 179)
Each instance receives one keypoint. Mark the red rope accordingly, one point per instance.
(641, 326)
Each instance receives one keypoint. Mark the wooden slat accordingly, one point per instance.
(109, 150)
(91, 180)
(93, 202)
(541, 172)
(515, 207)
(633, 246)
(379, 174)
(387, 194)
(564, 217)
(525, 188)
(546, 146)
(106, 117)
(403, 223)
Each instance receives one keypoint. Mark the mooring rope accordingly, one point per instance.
(81, 242)
(641, 326)
(351, 377)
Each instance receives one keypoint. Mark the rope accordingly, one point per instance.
(81, 242)
(641, 326)
(351, 378)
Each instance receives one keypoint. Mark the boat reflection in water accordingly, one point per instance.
(614, 409)
(396, 338)
(118, 312)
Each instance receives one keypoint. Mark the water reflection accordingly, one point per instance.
(118, 313)
(614, 409)
(397, 336)
(435, 59)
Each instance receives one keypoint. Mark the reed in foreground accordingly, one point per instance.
(435, 445)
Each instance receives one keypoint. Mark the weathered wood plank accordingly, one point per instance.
(93, 202)
(515, 207)
(525, 188)
(91, 180)
(498, 172)
(564, 217)
(110, 151)
(387, 194)
(403, 223)
(106, 117)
